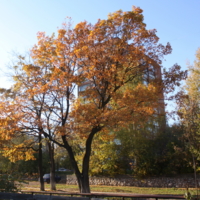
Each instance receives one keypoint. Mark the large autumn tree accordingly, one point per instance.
(105, 57)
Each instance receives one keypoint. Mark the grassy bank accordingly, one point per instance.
(33, 185)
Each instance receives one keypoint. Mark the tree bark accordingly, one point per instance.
(52, 166)
(195, 173)
(40, 164)
(84, 186)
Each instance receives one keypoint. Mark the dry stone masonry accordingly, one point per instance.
(162, 182)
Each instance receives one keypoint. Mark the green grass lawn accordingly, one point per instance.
(34, 186)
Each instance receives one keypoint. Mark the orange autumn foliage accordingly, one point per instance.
(113, 56)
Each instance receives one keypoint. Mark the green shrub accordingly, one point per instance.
(7, 183)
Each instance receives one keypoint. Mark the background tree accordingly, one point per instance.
(189, 112)
(62, 159)
(141, 151)
(21, 113)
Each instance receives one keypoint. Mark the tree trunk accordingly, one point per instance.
(82, 178)
(52, 165)
(40, 164)
(83, 183)
(195, 173)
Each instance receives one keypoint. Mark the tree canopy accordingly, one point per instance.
(108, 55)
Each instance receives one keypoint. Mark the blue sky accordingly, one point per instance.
(176, 21)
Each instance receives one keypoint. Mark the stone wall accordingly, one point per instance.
(163, 182)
